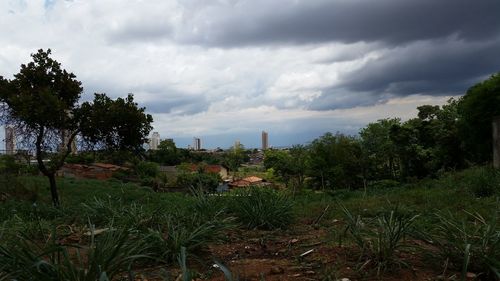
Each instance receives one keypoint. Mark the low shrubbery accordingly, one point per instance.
(101, 258)
(468, 244)
(262, 208)
(380, 238)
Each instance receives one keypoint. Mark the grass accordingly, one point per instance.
(377, 224)
(262, 208)
(468, 244)
(380, 238)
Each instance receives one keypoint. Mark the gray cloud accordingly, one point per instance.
(431, 67)
(304, 22)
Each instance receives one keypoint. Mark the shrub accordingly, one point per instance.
(206, 181)
(191, 231)
(379, 239)
(482, 181)
(145, 169)
(471, 244)
(106, 256)
(262, 208)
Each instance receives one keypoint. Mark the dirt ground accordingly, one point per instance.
(300, 253)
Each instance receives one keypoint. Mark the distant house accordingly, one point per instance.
(213, 169)
(253, 180)
(100, 171)
(248, 181)
(239, 184)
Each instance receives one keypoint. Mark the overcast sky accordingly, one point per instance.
(228, 69)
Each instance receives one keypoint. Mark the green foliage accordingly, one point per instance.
(477, 108)
(207, 181)
(335, 162)
(43, 102)
(482, 182)
(166, 154)
(145, 169)
(379, 239)
(379, 149)
(262, 208)
(471, 244)
(105, 257)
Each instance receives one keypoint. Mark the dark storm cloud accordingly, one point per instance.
(433, 67)
(390, 21)
(436, 67)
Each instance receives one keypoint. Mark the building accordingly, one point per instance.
(65, 136)
(236, 145)
(10, 140)
(196, 143)
(265, 140)
(154, 141)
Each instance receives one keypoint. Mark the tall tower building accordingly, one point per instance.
(265, 140)
(154, 141)
(236, 145)
(10, 140)
(65, 135)
(196, 143)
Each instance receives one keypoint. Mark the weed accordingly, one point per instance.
(379, 239)
(471, 244)
(111, 254)
(262, 208)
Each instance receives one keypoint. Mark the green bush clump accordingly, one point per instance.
(262, 208)
(106, 256)
(483, 181)
(380, 238)
(470, 244)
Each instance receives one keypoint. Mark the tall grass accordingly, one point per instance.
(262, 208)
(470, 244)
(103, 258)
(380, 238)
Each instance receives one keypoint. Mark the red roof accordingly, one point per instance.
(253, 179)
(215, 169)
(240, 183)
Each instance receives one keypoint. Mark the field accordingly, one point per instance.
(435, 229)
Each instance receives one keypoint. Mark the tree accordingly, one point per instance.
(167, 153)
(378, 149)
(335, 161)
(235, 157)
(42, 103)
(477, 108)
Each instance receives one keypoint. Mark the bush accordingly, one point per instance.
(262, 208)
(105, 257)
(483, 181)
(206, 181)
(379, 239)
(145, 169)
(175, 232)
(471, 244)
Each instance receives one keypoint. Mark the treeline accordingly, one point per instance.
(441, 138)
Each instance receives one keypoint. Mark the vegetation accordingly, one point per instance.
(379, 227)
(42, 102)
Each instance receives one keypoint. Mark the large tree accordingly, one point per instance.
(42, 102)
(477, 108)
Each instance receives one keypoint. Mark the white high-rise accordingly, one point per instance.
(265, 140)
(10, 140)
(154, 141)
(196, 143)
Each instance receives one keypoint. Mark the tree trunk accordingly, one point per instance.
(53, 190)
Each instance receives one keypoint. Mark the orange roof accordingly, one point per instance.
(252, 179)
(240, 183)
(208, 168)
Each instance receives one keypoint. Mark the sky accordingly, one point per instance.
(225, 70)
